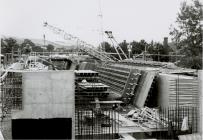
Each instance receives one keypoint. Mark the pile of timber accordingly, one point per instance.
(147, 117)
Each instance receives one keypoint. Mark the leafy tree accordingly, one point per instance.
(138, 47)
(50, 47)
(27, 42)
(107, 47)
(187, 34)
(157, 49)
(8, 45)
(26, 46)
(124, 47)
(27, 49)
(37, 49)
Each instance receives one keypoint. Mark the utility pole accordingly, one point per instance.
(158, 54)
(44, 37)
(145, 51)
(77, 50)
(12, 54)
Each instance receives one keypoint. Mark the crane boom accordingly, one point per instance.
(88, 48)
(112, 38)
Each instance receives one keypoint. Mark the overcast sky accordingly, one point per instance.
(127, 19)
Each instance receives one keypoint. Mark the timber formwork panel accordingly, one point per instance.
(88, 75)
(115, 77)
(123, 81)
(86, 91)
(87, 66)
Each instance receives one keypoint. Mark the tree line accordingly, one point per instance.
(186, 36)
(9, 45)
(158, 51)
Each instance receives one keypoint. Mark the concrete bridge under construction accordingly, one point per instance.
(92, 99)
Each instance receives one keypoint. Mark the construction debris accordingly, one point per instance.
(146, 117)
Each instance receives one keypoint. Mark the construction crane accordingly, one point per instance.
(88, 48)
(113, 40)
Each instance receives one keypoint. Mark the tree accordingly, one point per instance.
(136, 47)
(187, 34)
(26, 46)
(159, 52)
(27, 42)
(124, 47)
(8, 45)
(139, 47)
(37, 49)
(107, 47)
(50, 47)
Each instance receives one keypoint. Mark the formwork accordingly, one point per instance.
(122, 81)
(88, 87)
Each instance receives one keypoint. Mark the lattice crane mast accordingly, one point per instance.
(88, 48)
(113, 40)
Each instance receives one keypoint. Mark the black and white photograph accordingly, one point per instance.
(101, 69)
